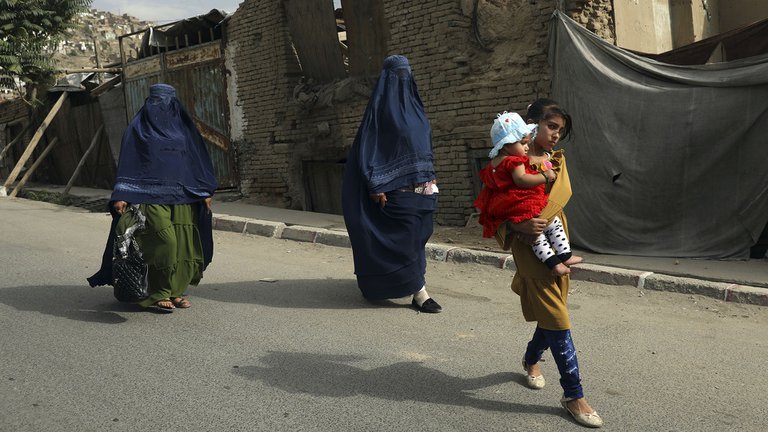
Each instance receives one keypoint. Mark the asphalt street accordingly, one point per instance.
(279, 339)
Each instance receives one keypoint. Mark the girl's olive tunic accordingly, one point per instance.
(543, 296)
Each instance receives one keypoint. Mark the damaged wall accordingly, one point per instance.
(14, 119)
(657, 26)
(595, 15)
(470, 59)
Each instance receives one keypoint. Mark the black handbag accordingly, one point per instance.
(129, 271)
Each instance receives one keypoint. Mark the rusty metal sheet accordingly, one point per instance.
(202, 90)
(192, 56)
(211, 104)
(211, 135)
(139, 68)
(136, 91)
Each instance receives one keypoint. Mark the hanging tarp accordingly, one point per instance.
(665, 160)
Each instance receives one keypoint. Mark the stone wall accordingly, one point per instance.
(595, 15)
(471, 59)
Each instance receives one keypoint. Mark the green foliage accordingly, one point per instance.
(29, 32)
(45, 196)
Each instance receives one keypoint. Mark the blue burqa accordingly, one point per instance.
(163, 160)
(392, 151)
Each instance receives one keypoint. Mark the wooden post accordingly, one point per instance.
(14, 141)
(123, 55)
(34, 166)
(80, 165)
(32, 144)
(114, 70)
(98, 60)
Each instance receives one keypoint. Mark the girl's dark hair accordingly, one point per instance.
(543, 109)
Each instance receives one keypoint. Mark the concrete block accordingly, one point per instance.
(508, 263)
(687, 285)
(333, 238)
(264, 228)
(301, 233)
(438, 251)
(494, 259)
(747, 294)
(608, 275)
(229, 223)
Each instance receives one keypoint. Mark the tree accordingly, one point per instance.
(29, 32)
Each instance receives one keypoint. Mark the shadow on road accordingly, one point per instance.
(83, 303)
(328, 375)
(293, 294)
(80, 303)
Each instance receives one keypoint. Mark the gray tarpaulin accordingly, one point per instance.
(665, 160)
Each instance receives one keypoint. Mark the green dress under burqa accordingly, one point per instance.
(171, 246)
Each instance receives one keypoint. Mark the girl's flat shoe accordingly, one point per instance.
(534, 382)
(592, 419)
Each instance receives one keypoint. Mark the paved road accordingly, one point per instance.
(278, 339)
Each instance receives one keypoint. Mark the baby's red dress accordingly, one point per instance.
(501, 199)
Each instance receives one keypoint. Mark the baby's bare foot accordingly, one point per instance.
(561, 269)
(573, 260)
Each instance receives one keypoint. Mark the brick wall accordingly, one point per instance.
(469, 63)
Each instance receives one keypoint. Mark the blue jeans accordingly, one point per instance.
(560, 344)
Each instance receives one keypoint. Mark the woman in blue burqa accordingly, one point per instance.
(389, 190)
(165, 169)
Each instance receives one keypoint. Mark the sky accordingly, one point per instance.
(164, 11)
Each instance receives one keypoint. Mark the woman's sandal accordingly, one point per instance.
(181, 302)
(163, 306)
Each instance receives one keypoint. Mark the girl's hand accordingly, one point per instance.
(550, 175)
(533, 226)
(527, 231)
(120, 206)
(380, 198)
(208, 202)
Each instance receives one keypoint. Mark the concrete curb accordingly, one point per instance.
(746, 294)
(727, 292)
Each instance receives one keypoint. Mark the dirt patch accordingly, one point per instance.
(469, 237)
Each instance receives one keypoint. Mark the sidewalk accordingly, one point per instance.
(734, 281)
